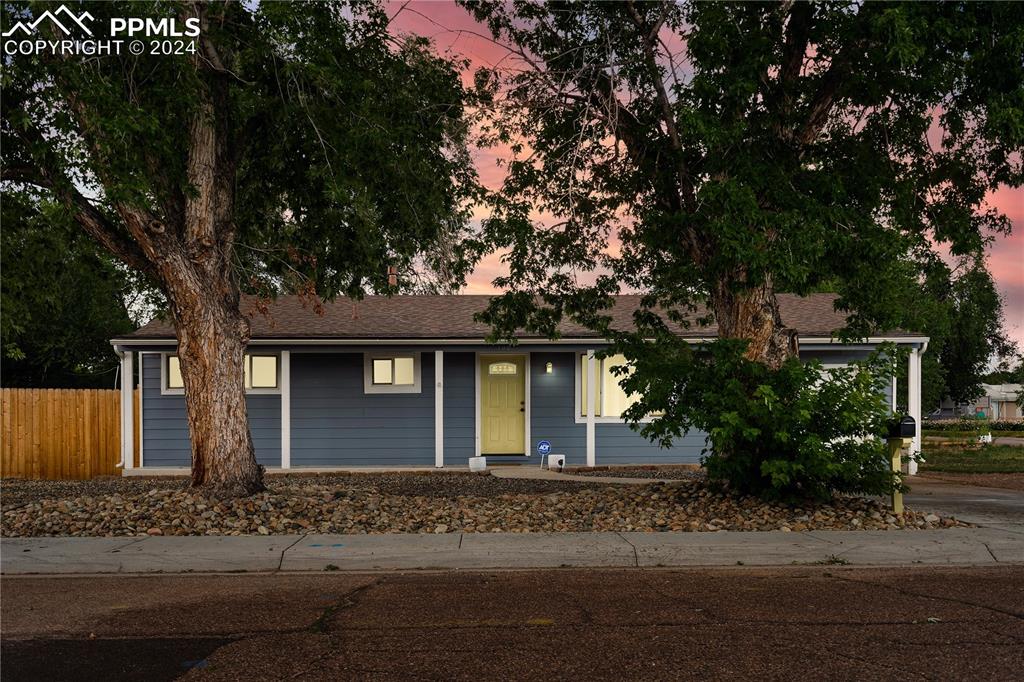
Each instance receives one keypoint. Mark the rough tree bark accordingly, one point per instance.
(212, 338)
(753, 314)
(204, 296)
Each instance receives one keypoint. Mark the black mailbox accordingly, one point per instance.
(902, 428)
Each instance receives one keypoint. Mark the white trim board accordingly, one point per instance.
(285, 382)
(576, 341)
(592, 379)
(127, 411)
(439, 408)
(142, 406)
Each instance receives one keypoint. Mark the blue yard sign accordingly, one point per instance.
(543, 447)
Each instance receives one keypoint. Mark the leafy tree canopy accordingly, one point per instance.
(709, 155)
(742, 142)
(347, 144)
(62, 302)
(294, 146)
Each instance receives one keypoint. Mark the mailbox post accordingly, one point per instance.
(901, 435)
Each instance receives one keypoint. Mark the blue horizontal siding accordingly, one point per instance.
(619, 444)
(335, 423)
(165, 435)
(553, 405)
(459, 408)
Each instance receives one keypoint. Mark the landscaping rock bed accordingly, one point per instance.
(664, 473)
(411, 503)
(427, 483)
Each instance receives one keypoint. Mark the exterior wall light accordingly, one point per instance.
(548, 368)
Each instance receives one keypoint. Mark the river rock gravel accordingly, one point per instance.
(416, 503)
(665, 473)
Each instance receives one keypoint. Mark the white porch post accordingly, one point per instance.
(439, 408)
(592, 378)
(914, 403)
(127, 411)
(286, 409)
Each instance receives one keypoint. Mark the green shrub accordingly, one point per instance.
(798, 432)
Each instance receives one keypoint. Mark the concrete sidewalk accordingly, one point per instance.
(955, 546)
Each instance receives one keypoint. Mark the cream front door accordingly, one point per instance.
(502, 404)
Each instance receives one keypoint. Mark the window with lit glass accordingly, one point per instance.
(396, 371)
(260, 373)
(399, 373)
(610, 398)
(174, 379)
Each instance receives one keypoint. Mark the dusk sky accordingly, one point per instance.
(455, 32)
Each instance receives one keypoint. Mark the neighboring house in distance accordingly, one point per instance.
(998, 402)
(410, 381)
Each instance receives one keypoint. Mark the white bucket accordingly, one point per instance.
(477, 463)
(556, 462)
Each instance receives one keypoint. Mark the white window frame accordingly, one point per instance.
(578, 399)
(166, 390)
(371, 388)
(277, 368)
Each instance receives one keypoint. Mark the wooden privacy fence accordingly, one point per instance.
(61, 433)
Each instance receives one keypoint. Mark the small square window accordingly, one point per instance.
(393, 374)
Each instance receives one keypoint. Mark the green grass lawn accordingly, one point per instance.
(971, 434)
(991, 459)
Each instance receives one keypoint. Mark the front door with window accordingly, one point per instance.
(502, 404)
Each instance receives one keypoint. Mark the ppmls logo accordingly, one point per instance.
(67, 33)
(69, 17)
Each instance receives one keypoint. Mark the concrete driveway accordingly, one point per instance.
(984, 506)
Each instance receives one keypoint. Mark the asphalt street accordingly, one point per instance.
(808, 622)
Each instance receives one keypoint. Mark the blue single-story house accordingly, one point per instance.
(410, 381)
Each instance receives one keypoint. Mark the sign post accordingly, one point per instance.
(896, 446)
(543, 449)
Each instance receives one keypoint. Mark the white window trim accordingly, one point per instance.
(371, 388)
(277, 368)
(165, 390)
(577, 399)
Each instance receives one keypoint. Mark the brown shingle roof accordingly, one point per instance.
(451, 317)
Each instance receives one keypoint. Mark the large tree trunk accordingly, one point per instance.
(212, 332)
(753, 314)
(212, 338)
